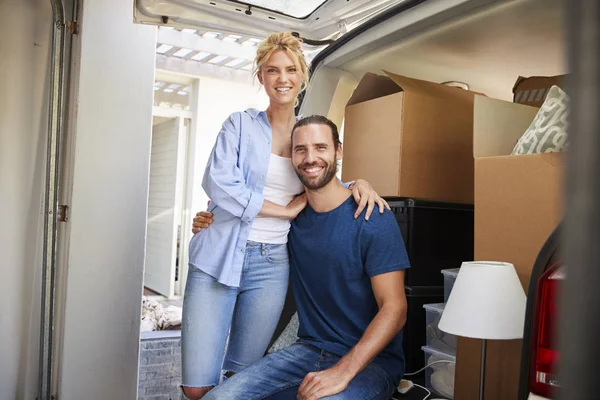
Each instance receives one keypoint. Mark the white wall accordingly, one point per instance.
(216, 100)
(25, 29)
(109, 203)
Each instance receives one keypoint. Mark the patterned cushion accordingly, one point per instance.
(548, 131)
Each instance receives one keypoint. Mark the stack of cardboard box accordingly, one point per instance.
(420, 139)
(518, 203)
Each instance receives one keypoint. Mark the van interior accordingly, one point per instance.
(484, 44)
(480, 45)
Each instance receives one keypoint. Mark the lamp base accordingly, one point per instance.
(482, 371)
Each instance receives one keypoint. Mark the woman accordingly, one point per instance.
(238, 273)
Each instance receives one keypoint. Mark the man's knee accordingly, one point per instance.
(370, 383)
(194, 393)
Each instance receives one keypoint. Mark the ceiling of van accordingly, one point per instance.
(293, 8)
(312, 19)
(487, 49)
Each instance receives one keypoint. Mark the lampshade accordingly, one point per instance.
(487, 302)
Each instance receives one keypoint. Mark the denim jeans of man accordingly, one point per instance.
(278, 376)
(247, 314)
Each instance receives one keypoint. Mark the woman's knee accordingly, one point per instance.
(193, 393)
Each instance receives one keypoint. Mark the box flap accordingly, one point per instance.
(498, 125)
(373, 86)
(428, 88)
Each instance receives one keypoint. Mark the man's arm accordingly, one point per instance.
(388, 289)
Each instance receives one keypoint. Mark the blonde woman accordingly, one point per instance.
(239, 268)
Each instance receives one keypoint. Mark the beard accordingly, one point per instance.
(317, 182)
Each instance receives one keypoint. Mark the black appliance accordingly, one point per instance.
(437, 235)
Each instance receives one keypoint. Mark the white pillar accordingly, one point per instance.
(112, 128)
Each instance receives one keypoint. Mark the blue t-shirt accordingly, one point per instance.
(333, 256)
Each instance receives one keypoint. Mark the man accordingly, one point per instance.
(348, 280)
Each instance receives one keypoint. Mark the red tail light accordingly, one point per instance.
(544, 355)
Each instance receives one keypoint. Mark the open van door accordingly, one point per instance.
(316, 20)
(167, 165)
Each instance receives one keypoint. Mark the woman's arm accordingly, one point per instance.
(366, 196)
(204, 219)
(288, 212)
(224, 181)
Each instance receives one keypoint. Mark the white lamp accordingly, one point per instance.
(487, 302)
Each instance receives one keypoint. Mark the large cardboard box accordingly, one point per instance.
(410, 138)
(517, 206)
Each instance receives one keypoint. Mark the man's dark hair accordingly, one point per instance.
(320, 120)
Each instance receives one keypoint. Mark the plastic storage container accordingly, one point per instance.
(439, 377)
(435, 338)
(449, 279)
(437, 235)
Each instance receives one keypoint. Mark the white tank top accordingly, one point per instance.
(281, 186)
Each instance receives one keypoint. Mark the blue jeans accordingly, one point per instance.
(247, 316)
(278, 376)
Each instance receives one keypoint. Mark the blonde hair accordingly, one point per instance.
(287, 42)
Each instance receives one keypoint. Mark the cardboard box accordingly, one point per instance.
(410, 138)
(532, 91)
(518, 203)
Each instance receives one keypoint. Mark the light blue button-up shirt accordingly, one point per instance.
(234, 180)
